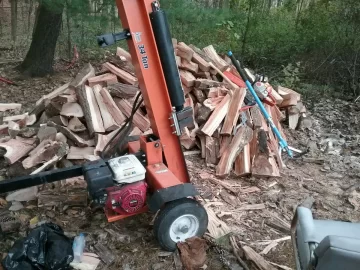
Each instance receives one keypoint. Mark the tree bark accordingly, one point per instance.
(13, 4)
(40, 57)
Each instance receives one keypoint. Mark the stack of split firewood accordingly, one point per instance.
(230, 134)
(76, 120)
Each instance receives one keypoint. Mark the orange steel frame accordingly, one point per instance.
(134, 15)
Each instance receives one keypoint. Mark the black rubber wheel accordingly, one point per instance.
(179, 220)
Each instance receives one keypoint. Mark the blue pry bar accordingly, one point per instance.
(283, 144)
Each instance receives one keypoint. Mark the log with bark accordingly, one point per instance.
(242, 137)
(139, 119)
(108, 120)
(123, 75)
(91, 109)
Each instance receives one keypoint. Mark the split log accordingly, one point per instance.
(293, 121)
(72, 110)
(40, 104)
(279, 114)
(215, 92)
(72, 136)
(15, 118)
(225, 78)
(112, 107)
(13, 129)
(4, 129)
(204, 84)
(46, 133)
(281, 90)
(102, 140)
(103, 80)
(184, 51)
(203, 74)
(189, 66)
(118, 62)
(186, 140)
(123, 75)
(200, 52)
(257, 259)
(242, 137)
(234, 111)
(202, 115)
(67, 98)
(9, 106)
(243, 162)
(200, 97)
(76, 125)
(212, 103)
(60, 137)
(202, 145)
(224, 144)
(187, 78)
(216, 117)
(291, 100)
(64, 121)
(278, 99)
(139, 120)
(202, 63)
(215, 58)
(84, 74)
(122, 90)
(53, 108)
(256, 117)
(275, 116)
(80, 152)
(212, 149)
(178, 60)
(108, 120)
(264, 163)
(186, 89)
(46, 153)
(17, 148)
(91, 109)
(123, 54)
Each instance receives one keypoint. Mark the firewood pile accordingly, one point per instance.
(77, 120)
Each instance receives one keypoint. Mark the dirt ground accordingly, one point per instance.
(328, 173)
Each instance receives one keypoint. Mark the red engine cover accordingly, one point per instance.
(127, 199)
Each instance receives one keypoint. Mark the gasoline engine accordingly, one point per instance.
(120, 186)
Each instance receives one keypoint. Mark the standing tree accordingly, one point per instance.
(40, 57)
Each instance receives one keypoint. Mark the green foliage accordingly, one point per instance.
(291, 74)
(323, 35)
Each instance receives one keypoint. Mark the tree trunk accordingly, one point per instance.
(40, 57)
(68, 29)
(13, 4)
(247, 27)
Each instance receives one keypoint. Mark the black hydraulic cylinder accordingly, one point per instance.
(165, 47)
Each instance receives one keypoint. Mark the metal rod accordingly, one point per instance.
(282, 142)
(40, 178)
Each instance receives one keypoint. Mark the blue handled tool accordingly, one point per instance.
(282, 142)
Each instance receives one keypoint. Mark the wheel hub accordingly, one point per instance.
(184, 227)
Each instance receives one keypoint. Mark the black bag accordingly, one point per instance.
(45, 248)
